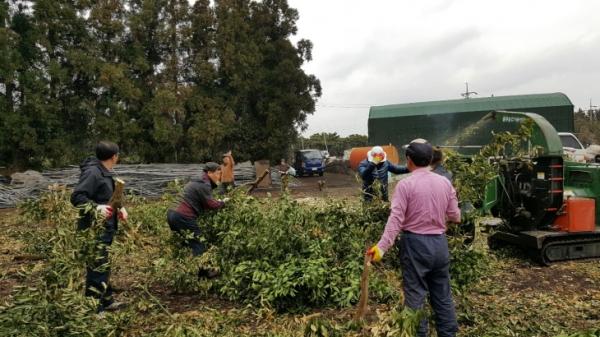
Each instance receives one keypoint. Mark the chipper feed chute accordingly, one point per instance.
(531, 189)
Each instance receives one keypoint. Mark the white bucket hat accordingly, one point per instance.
(376, 150)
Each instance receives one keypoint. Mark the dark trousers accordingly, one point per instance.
(183, 225)
(369, 192)
(226, 187)
(98, 272)
(425, 269)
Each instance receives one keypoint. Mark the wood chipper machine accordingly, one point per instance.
(540, 200)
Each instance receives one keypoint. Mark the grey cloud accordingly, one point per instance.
(389, 70)
(387, 66)
(539, 65)
(454, 41)
(440, 6)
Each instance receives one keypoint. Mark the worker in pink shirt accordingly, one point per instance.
(421, 206)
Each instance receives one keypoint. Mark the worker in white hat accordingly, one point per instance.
(376, 168)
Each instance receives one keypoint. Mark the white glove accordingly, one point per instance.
(123, 214)
(225, 199)
(105, 211)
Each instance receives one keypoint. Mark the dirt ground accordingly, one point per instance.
(10, 250)
(334, 185)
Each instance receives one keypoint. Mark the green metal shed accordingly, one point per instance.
(439, 121)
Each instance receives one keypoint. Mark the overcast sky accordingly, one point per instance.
(396, 51)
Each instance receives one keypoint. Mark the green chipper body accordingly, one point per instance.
(545, 203)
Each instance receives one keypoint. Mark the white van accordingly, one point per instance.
(572, 147)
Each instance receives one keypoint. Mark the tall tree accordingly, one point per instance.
(209, 121)
(167, 107)
(260, 71)
(10, 65)
(28, 122)
(165, 81)
(64, 92)
(144, 57)
(116, 95)
(586, 128)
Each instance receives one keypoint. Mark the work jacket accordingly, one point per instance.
(441, 170)
(197, 197)
(95, 186)
(227, 169)
(369, 172)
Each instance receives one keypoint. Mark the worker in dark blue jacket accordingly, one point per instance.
(95, 187)
(376, 167)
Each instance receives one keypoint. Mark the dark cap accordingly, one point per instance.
(211, 167)
(420, 152)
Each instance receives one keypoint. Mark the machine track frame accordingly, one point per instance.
(553, 246)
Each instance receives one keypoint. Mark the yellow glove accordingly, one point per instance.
(375, 253)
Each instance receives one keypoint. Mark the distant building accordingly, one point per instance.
(440, 121)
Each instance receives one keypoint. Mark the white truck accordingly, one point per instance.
(575, 150)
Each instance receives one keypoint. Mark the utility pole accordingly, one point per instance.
(591, 111)
(325, 140)
(467, 94)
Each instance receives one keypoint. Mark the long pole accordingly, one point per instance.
(467, 94)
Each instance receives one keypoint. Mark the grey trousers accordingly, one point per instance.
(425, 269)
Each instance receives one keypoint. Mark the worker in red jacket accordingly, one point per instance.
(196, 199)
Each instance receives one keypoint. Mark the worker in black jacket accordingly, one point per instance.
(95, 188)
(376, 167)
(437, 164)
(196, 199)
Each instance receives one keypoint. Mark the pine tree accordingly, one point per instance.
(209, 121)
(159, 35)
(260, 72)
(115, 92)
(171, 93)
(29, 125)
(9, 66)
(165, 81)
(63, 92)
(143, 56)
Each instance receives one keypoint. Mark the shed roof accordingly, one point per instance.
(471, 104)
